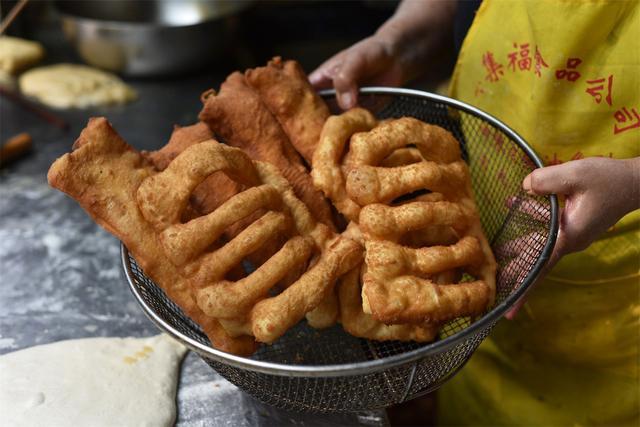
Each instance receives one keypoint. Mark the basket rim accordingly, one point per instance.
(376, 365)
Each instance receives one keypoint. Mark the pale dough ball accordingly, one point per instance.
(17, 54)
(75, 86)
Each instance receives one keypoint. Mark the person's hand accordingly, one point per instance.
(373, 61)
(396, 53)
(597, 193)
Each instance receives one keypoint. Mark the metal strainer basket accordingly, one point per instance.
(329, 370)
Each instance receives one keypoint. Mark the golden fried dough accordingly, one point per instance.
(217, 188)
(181, 139)
(193, 213)
(327, 172)
(356, 322)
(103, 174)
(285, 90)
(410, 191)
(240, 118)
(397, 294)
(213, 191)
(244, 306)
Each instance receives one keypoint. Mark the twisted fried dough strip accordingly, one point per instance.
(269, 321)
(387, 222)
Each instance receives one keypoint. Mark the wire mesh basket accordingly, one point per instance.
(331, 371)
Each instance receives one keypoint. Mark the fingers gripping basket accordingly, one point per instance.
(329, 370)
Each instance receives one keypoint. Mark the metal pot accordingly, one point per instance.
(149, 37)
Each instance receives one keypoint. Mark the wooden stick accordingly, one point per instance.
(13, 13)
(35, 109)
(14, 148)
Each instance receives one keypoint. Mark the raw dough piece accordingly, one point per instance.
(17, 54)
(75, 86)
(91, 382)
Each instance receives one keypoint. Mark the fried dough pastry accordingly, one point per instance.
(244, 306)
(213, 191)
(360, 324)
(328, 173)
(216, 189)
(398, 285)
(285, 90)
(240, 118)
(103, 174)
(181, 139)
(412, 245)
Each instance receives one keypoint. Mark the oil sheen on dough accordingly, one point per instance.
(91, 382)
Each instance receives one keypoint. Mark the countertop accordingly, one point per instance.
(61, 276)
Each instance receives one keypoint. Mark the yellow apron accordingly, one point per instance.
(566, 76)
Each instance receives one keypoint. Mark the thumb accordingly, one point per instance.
(346, 80)
(322, 77)
(558, 179)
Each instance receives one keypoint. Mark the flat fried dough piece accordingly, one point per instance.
(287, 93)
(238, 115)
(103, 174)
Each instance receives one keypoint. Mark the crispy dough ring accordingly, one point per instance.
(402, 156)
(103, 174)
(181, 139)
(213, 191)
(370, 184)
(327, 173)
(268, 317)
(434, 143)
(163, 197)
(404, 283)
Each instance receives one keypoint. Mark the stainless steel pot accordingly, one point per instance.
(149, 37)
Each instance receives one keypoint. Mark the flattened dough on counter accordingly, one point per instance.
(92, 382)
(75, 86)
(16, 54)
